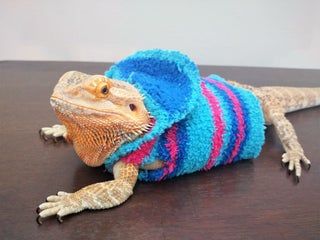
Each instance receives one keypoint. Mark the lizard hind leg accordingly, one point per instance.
(274, 108)
(56, 133)
(294, 152)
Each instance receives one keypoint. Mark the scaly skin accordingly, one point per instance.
(96, 196)
(100, 114)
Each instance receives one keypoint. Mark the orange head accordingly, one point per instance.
(99, 113)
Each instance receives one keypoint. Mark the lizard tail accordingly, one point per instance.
(294, 99)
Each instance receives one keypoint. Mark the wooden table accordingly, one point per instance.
(248, 200)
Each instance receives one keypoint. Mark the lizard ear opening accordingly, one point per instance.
(132, 107)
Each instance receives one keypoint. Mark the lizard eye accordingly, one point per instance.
(102, 89)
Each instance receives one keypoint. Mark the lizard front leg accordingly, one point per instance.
(96, 196)
(293, 150)
(56, 133)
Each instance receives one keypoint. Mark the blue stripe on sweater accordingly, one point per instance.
(200, 130)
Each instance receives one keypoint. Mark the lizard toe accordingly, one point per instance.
(49, 212)
(294, 159)
(306, 162)
(60, 205)
(62, 193)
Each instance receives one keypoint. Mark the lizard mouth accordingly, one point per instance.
(69, 108)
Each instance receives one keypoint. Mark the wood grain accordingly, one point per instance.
(248, 200)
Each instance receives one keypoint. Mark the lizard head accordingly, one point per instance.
(100, 114)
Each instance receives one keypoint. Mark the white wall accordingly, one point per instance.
(273, 33)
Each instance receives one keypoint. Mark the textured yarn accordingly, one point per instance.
(199, 122)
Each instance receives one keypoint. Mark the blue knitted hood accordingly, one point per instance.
(169, 82)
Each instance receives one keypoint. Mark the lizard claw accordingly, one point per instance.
(294, 158)
(39, 220)
(42, 135)
(60, 205)
(59, 219)
(57, 139)
(308, 166)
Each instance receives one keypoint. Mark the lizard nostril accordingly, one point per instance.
(132, 107)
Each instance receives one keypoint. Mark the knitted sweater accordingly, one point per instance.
(199, 122)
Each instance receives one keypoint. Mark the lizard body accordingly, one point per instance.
(111, 119)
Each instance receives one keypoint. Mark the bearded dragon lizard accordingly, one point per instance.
(101, 114)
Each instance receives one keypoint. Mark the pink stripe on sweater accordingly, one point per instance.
(173, 148)
(137, 156)
(217, 138)
(238, 110)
